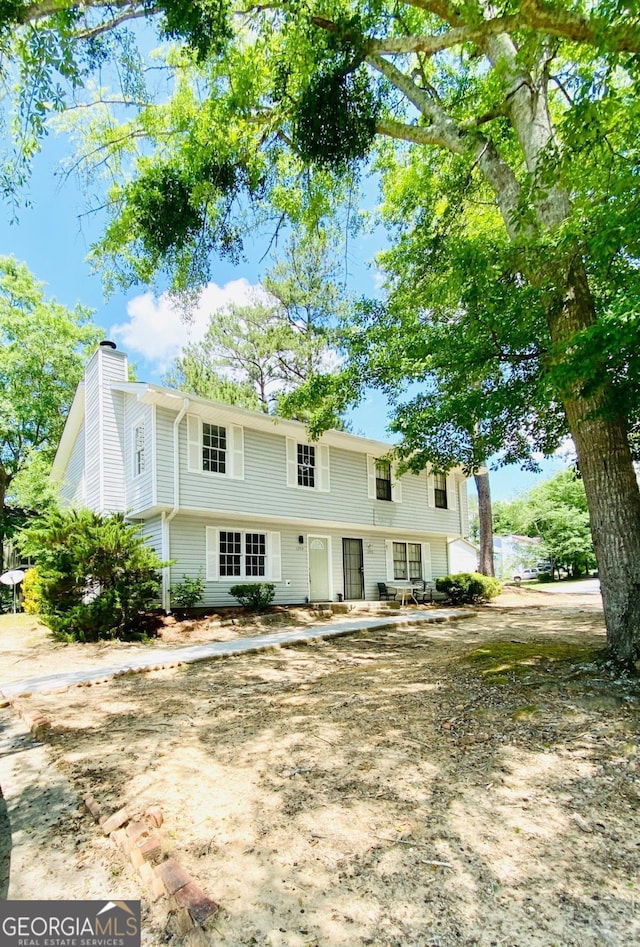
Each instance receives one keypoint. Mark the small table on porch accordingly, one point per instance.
(406, 591)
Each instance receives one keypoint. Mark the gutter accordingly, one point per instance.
(167, 517)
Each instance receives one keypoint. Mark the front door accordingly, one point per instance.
(319, 587)
(353, 565)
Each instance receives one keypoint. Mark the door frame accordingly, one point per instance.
(353, 539)
(327, 539)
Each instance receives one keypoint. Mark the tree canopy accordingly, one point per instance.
(507, 134)
(556, 512)
(43, 351)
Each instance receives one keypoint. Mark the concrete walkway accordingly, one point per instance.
(218, 649)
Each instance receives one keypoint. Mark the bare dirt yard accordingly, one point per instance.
(466, 783)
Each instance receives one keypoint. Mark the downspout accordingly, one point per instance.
(167, 517)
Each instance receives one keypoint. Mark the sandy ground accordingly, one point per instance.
(456, 784)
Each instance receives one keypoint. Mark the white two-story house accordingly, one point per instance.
(239, 496)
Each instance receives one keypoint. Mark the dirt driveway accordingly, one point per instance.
(459, 784)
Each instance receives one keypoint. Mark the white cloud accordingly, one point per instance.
(157, 330)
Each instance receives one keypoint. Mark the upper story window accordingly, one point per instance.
(306, 465)
(138, 450)
(440, 491)
(383, 480)
(214, 448)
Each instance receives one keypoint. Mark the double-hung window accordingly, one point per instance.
(242, 554)
(383, 480)
(306, 465)
(407, 561)
(440, 491)
(215, 448)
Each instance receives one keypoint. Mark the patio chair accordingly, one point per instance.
(426, 596)
(385, 594)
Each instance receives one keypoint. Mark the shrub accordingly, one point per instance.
(6, 599)
(469, 588)
(545, 577)
(257, 595)
(187, 594)
(31, 595)
(95, 575)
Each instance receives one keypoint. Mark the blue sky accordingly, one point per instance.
(53, 237)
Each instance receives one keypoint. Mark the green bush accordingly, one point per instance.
(257, 595)
(96, 577)
(6, 599)
(545, 577)
(469, 588)
(187, 594)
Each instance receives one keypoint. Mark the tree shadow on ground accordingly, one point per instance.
(415, 786)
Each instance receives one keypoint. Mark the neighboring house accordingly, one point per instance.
(512, 554)
(238, 496)
(464, 556)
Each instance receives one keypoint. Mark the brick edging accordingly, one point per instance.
(140, 840)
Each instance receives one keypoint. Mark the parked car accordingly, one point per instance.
(525, 574)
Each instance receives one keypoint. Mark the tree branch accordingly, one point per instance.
(453, 37)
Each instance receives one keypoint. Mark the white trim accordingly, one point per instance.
(194, 443)
(235, 451)
(431, 491)
(291, 447)
(388, 554)
(323, 468)
(371, 477)
(272, 556)
(427, 569)
(396, 485)
(324, 536)
(212, 559)
(154, 454)
(452, 495)
(165, 539)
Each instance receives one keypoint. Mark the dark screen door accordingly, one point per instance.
(353, 568)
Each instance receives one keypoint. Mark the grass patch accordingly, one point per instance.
(499, 661)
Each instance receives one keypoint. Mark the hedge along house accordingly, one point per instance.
(239, 496)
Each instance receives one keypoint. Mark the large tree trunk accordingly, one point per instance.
(485, 518)
(609, 480)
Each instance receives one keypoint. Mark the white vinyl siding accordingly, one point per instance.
(105, 432)
(139, 487)
(72, 488)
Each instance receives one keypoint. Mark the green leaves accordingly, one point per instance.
(96, 575)
(336, 115)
